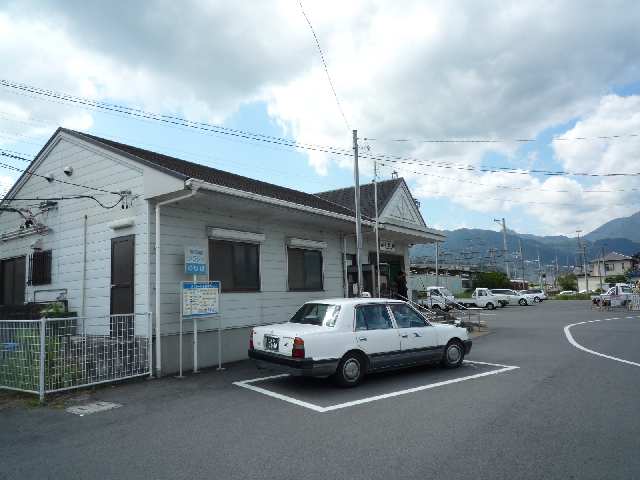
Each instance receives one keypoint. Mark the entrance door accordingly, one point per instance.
(122, 286)
(12, 281)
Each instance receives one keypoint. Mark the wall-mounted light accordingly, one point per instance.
(68, 171)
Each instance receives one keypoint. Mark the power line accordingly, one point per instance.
(216, 129)
(11, 167)
(324, 64)
(503, 140)
(510, 170)
(72, 197)
(511, 200)
(167, 119)
(510, 187)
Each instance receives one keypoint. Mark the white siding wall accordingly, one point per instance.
(94, 168)
(184, 225)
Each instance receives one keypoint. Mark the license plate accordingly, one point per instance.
(271, 343)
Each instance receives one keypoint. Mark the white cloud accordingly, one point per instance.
(410, 69)
(5, 184)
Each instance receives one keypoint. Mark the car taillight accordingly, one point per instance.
(251, 340)
(298, 348)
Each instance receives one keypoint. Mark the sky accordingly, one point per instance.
(404, 73)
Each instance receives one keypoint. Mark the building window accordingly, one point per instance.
(608, 267)
(235, 264)
(12, 281)
(305, 269)
(40, 268)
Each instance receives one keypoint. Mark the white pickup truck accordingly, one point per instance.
(484, 298)
(617, 296)
(438, 298)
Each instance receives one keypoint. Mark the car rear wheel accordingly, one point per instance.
(453, 354)
(536, 299)
(490, 306)
(351, 370)
(523, 301)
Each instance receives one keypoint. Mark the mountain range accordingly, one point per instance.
(474, 245)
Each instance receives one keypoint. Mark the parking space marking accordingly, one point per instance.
(573, 342)
(249, 384)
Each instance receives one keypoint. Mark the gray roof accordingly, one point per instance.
(184, 169)
(612, 257)
(346, 197)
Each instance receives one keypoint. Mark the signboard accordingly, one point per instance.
(387, 246)
(200, 299)
(195, 261)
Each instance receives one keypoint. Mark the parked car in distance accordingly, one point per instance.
(484, 298)
(537, 294)
(346, 338)
(568, 292)
(514, 298)
(619, 295)
(438, 298)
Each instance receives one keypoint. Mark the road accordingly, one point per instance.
(564, 413)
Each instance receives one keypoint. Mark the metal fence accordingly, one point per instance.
(56, 354)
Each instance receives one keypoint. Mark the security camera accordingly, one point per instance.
(68, 171)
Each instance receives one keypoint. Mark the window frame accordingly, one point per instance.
(394, 325)
(410, 307)
(258, 245)
(46, 278)
(288, 247)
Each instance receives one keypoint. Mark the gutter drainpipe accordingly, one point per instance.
(189, 184)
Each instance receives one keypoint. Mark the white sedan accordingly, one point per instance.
(347, 338)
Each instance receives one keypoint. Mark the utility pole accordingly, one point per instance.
(521, 260)
(583, 248)
(539, 271)
(375, 201)
(601, 268)
(437, 271)
(504, 244)
(555, 279)
(356, 178)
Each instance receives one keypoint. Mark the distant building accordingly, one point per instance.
(612, 263)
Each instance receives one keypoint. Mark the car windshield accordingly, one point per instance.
(317, 314)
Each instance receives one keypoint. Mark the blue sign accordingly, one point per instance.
(200, 299)
(195, 268)
(195, 261)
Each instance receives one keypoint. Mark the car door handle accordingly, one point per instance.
(417, 334)
(404, 335)
(362, 339)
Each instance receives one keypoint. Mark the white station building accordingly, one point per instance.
(272, 248)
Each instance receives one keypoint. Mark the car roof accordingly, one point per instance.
(355, 301)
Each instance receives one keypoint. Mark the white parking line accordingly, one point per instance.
(573, 342)
(317, 408)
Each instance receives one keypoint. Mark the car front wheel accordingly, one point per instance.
(351, 370)
(522, 302)
(536, 299)
(453, 354)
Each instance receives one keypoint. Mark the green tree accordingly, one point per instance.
(491, 280)
(568, 282)
(616, 279)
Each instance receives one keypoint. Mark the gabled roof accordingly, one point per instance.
(612, 257)
(184, 169)
(346, 197)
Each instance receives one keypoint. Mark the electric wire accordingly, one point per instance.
(324, 64)
(177, 121)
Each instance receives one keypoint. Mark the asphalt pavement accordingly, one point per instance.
(564, 413)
